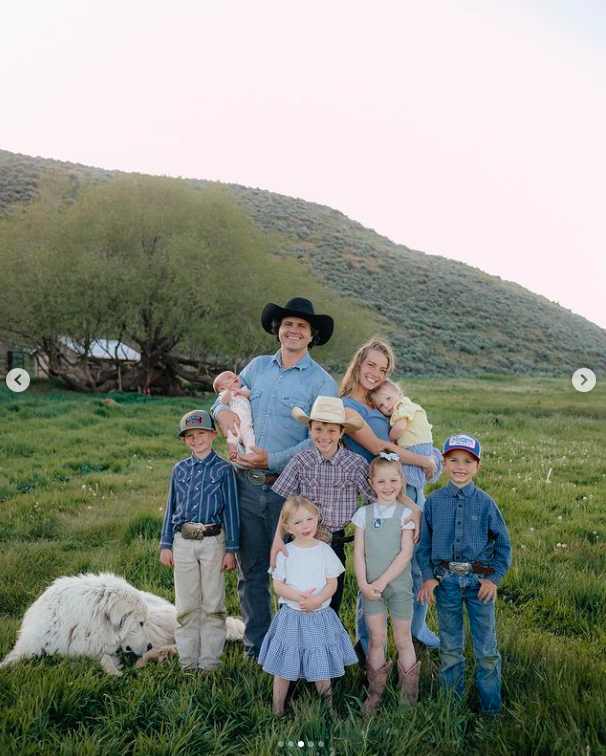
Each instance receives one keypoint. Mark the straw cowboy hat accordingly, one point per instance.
(299, 308)
(329, 409)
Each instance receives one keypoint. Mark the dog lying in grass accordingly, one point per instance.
(100, 616)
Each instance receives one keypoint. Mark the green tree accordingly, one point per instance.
(179, 273)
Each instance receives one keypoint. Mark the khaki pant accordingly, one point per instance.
(200, 600)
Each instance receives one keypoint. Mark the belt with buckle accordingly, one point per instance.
(465, 568)
(257, 477)
(337, 537)
(197, 530)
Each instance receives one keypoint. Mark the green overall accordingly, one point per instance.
(381, 546)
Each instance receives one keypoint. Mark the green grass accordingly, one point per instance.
(83, 486)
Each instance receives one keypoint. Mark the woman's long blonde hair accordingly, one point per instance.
(350, 379)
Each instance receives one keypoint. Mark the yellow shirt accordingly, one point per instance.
(418, 430)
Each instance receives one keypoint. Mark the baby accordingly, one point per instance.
(229, 388)
(409, 428)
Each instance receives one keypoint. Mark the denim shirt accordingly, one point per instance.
(463, 525)
(274, 391)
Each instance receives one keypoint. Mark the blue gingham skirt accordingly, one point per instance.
(310, 645)
(414, 475)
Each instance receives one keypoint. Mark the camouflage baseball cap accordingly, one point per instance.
(196, 420)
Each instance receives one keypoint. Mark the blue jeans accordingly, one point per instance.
(451, 594)
(259, 514)
(419, 628)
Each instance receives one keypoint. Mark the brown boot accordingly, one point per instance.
(408, 682)
(377, 680)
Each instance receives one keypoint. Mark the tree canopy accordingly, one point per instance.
(179, 273)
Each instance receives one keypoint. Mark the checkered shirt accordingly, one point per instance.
(333, 484)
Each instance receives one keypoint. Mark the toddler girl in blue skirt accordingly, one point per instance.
(306, 638)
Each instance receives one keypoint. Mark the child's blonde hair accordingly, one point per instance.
(383, 462)
(291, 505)
(387, 384)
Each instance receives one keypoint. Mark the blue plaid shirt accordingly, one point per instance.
(274, 391)
(202, 490)
(463, 525)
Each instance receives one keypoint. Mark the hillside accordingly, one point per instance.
(443, 317)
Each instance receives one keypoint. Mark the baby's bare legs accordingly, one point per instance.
(403, 641)
(279, 695)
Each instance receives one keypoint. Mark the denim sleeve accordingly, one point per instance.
(167, 537)
(423, 550)
(501, 555)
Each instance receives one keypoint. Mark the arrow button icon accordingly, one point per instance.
(17, 380)
(584, 380)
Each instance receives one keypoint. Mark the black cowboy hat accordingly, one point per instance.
(299, 308)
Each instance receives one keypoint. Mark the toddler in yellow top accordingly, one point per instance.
(409, 428)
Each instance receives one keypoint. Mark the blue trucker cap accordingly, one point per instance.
(465, 443)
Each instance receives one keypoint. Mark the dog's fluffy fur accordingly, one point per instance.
(98, 616)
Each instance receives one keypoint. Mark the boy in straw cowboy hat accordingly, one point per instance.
(328, 475)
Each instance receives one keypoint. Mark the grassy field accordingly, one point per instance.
(83, 485)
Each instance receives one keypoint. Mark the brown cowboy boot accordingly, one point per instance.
(377, 680)
(408, 682)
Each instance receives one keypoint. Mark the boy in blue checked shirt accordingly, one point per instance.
(463, 553)
(200, 540)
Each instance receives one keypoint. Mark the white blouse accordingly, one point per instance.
(305, 568)
(385, 513)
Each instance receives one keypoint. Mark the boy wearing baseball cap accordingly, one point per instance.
(199, 540)
(463, 553)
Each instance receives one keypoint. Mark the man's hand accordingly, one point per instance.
(488, 590)
(276, 547)
(227, 421)
(426, 595)
(416, 517)
(166, 557)
(257, 458)
(308, 602)
(229, 562)
(371, 592)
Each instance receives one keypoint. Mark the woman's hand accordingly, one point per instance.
(430, 467)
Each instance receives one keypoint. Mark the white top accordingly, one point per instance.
(385, 513)
(238, 404)
(305, 568)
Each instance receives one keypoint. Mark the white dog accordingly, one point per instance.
(88, 615)
(98, 616)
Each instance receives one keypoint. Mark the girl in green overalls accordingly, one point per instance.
(383, 549)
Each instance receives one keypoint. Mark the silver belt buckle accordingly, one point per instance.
(459, 568)
(256, 477)
(193, 530)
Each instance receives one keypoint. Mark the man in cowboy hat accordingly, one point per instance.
(277, 383)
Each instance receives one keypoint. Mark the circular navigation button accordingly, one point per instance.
(584, 379)
(17, 379)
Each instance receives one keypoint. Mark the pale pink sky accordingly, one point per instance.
(471, 129)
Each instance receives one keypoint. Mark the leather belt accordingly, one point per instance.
(197, 530)
(337, 537)
(465, 568)
(257, 477)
